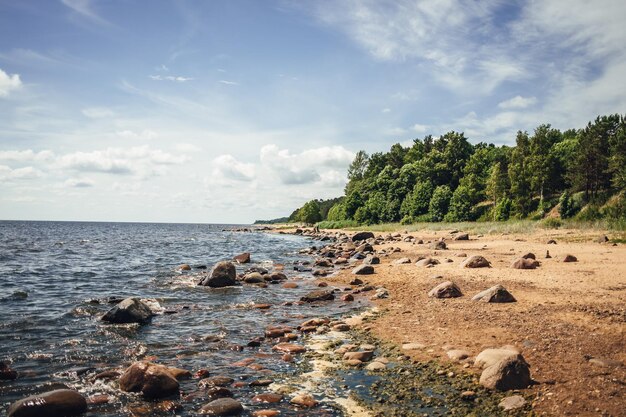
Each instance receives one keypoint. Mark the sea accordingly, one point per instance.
(58, 278)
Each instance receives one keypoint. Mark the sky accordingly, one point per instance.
(228, 111)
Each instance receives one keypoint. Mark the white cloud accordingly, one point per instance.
(395, 131)
(178, 78)
(26, 155)
(386, 110)
(24, 173)
(517, 102)
(227, 167)
(418, 128)
(85, 8)
(144, 134)
(229, 82)
(79, 183)
(309, 166)
(9, 83)
(97, 112)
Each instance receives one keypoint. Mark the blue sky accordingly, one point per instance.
(233, 110)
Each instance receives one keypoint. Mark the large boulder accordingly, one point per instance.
(223, 274)
(488, 357)
(152, 380)
(130, 310)
(61, 402)
(507, 374)
(446, 289)
(475, 261)
(318, 295)
(570, 258)
(525, 263)
(222, 407)
(495, 294)
(362, 236)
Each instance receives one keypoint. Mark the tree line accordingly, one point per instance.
(577, 172)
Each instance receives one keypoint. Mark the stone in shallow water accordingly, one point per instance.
(152, 380)
(242, 258)
(129, 310)
(223, 274)
(318, 295)
(222, 407)
(289, 348)
(62, 402)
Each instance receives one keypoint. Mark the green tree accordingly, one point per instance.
(352, 203)
(541, 161)
(617, 159)
(417, 201)
(519, 175)
(370, 213)
(310, 212)
(497, 184)
(460, 205)
(439, 203)
(337, 212)
(502, 210)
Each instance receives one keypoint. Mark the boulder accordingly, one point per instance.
(446, 289)
(318, 295)
(222, 407)
(363, 356)
(489, 357)
(371, 260)
(570, 258)
(529, 255)
(242, 258)
(304, 400)
(130, 310)
(427, 262)
(253, 278)
(61, 402)
(525, 263)
(438, 245)
(152, 380)
(507, 374)
(223, 274)
(495, 294)
(363, 270)
(366, 247)
(289, 348)
(462, 236)
(216, 381)
(475, 261)
(512, 403)
(184, 267)
(362, 236)
(602, 239)
(402, 261)
(458, 354)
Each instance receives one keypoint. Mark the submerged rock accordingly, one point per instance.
(130, 310)
(446, 289)
(318, 295)
(152, 380)
(62, 402)
(223, 274)
(242, 258)
(495, 294)
(6, 373)
(222, 407)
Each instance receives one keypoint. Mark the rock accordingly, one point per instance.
(223, 274)
(289, 348)
(570, 258)
(184, 267)
(495, 294)
(427, 262)
(402, 261)
(468, 395)
(130, 310)
(222, 407)
(304, 400)
(438, 245)
(242, 258)
(475, 261)
(602, 239)
(363, 356)
(605, 363)
(446, 289)
(366, 247)
(253, 278)
(462, 236)
(371, 260)
(548, 254)
(347, 297)
(213, 393)
(363, 270)
(376, 366)
(529, 255)
(342, 327)
(268, 397)
(277, 276)
(290, 285)
(266, 413)
(458, 354)
(512, 403)
(216, 381)
(152, 380)
(507, 374)
(6, 373)
(489, 357)
(356, 281)
(362, 236)
(381, 293)
(62, 402)
(318, 295)
(551, 242)
(525, 263)
(413, 346)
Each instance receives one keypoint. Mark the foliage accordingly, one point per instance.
(460, 205)
(551, 223)
(566, 205)
(337, 212)
(309, 213)
(439, 203)
(502, 210)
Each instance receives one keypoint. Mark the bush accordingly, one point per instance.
(590, 212)
(337, 213)
(551, 223)
(566, 205)
(439, 203)
(502, 211)
(407, 220)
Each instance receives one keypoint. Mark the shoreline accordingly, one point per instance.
(568, 321)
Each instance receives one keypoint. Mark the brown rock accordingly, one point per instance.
(363, 270)
(242, 258)
(495, 294)
(184, 267)
(363, 356)
(570, 258)
(347, 297)
(507, 374)
(475, 261)
(216, 381)
(318, 295)
(525, 263)
(223, 274)
(290, 285)
(446, 289)
(289, 348)
(462, 236)
(152, 380)
(6, 373)
(222, 407)
(427, 262)
(266, 413)
(304, 400)
(268, 397)
(62, 402)
(213, 393)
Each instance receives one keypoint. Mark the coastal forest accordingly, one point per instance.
(551, 174)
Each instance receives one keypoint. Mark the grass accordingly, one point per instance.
(341, 224)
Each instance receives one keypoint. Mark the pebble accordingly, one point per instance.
(304, 400)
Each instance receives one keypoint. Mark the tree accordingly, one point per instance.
(356, 171)
(337, 212)
(519, 175)
(309, 213)
(439, 203)
(417, 201)
(460, 205)
(540, 159)
(617, 159)
(370, 213)
(497, 184)
(352, 203)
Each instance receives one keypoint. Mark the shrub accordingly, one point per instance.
(551, 223)
(566, 205)
(502, 211)
(337, 213)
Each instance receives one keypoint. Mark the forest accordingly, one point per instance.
(577, 173)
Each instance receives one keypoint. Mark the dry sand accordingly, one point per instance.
(566, 314)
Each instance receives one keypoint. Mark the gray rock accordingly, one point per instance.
(462, 236)
(495, 294)
(222, 407)
(427, 262)
(223, 274)
(371, 260)
(512, 403)
(362, 236)
(62, 402)
(130, 310)
(438, 245)
(525, 263)
(318, 295)
(363, 270)
(446, 289)
(507, 374)
(489, 357)
(402, 261)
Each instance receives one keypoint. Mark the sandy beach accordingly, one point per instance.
(569, 319)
